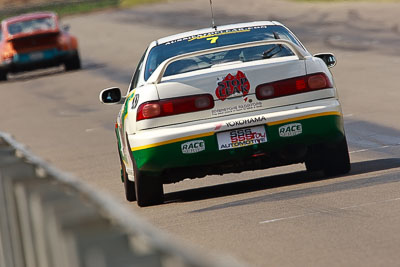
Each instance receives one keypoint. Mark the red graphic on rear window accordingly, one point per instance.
(233, 85)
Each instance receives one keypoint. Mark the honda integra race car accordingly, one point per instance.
(33, 41)
(226, 99)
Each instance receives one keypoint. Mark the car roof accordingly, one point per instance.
(29, 16)
(218, 28)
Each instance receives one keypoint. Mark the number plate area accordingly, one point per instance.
(36, 56)
(242, 137)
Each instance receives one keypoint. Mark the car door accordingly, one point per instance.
(123, 113)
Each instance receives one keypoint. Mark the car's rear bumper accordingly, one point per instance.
(36, 60)
(161, 150)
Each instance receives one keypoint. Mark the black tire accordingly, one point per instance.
(130, 191)
(149, 189)
(3, 76)
(336, 159)
(73, 63)
(128, 185)
(314, 161)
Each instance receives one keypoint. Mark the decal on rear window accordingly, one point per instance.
(217, 33)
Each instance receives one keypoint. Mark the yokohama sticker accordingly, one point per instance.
(290, 130)
(193, 147)
(233, 85)
(246, 121)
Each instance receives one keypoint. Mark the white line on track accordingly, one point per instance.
(373, 148)
(320, 212)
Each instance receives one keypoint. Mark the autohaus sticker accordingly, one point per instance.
(193, 147)
(290, 130)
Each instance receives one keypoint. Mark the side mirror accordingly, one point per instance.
(111, 96)
(328, 58)
(66, 28)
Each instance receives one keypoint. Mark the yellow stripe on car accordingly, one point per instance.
(334, 113)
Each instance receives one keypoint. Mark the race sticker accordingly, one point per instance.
(290, 130)
(233, 85)
(192, 147)
(242, 137)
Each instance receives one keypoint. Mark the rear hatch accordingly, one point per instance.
(35, 41)
(244, 76)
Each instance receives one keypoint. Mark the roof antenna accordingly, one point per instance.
(212, 17)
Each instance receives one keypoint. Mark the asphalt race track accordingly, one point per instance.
(276, 217)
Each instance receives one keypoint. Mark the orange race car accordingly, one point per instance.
(33, 41)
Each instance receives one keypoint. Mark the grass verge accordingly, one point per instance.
(63, 9)
(337, 1)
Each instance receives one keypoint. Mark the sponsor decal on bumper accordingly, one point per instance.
(242, 137)
(290, 130)
(238, 143)
(192, 147)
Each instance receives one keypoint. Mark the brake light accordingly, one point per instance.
(293, 86)
(8, 51)
(174, 106)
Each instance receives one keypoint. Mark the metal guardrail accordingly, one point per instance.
(51, 219)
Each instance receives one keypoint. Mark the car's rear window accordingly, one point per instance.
(28, 26)
(219, 39)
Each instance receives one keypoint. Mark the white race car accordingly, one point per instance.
(226, 99)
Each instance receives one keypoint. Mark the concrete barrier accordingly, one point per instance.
(50, 219)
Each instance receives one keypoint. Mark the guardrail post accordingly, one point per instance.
(12, 169)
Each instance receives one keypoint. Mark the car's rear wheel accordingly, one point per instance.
(3, 76)
(149, 189)
(129, 186)
(314, 161)
(336, 160)
(73, 63)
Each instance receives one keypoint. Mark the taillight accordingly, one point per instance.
(9, 51)
(174, 106)
(293, 86)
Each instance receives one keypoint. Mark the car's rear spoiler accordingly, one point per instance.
(157, 75)
(20, 36)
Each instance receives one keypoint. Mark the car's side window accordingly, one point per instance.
(135, 77)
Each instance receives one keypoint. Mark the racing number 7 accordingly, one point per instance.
(212, 40)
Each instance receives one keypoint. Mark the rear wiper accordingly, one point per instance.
(270, 52)
(266, 54)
